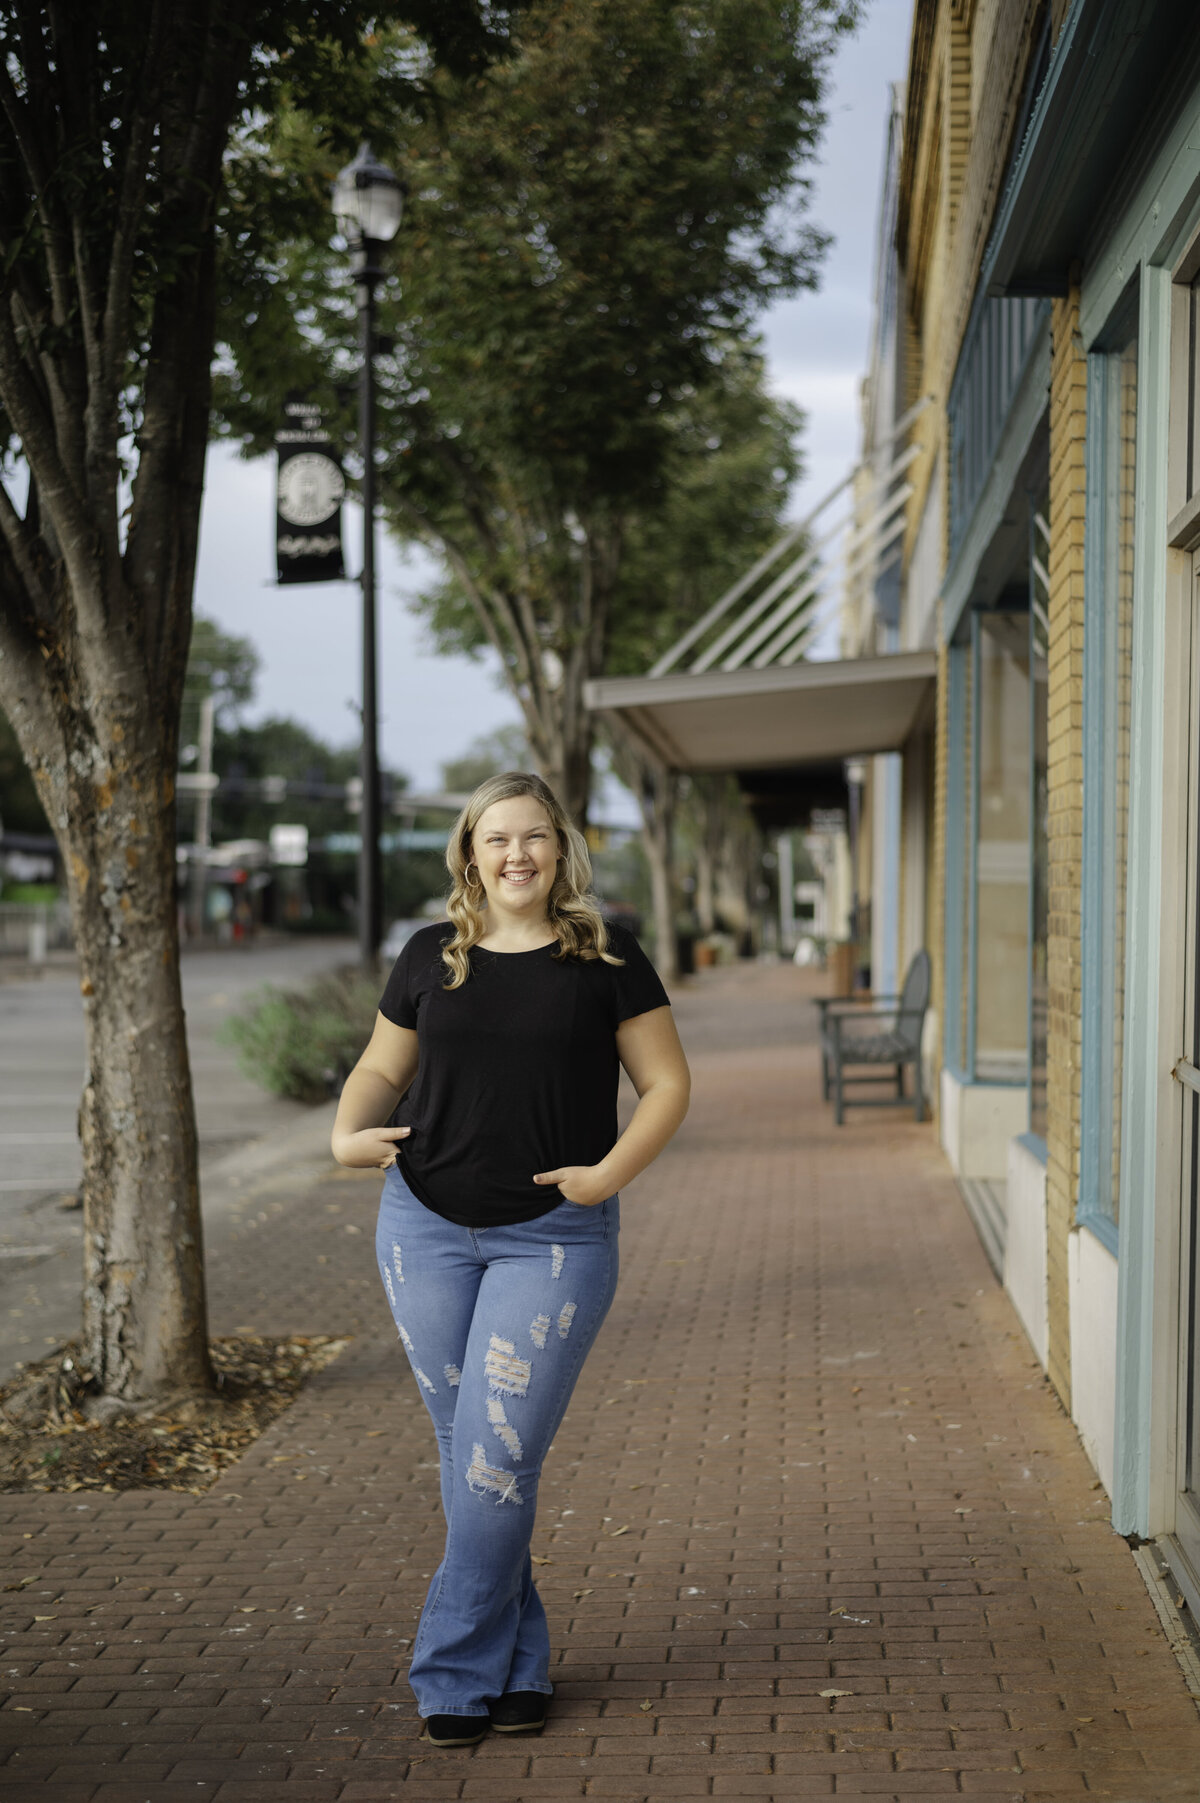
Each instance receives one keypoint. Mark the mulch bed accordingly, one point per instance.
(48, 1442)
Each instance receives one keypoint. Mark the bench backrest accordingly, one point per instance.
(914, 999)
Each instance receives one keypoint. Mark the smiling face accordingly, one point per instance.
(515, 849)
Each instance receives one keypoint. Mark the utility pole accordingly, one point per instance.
(368, 203)
(370, 877)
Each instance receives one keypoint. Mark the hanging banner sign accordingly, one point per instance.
(309, 491)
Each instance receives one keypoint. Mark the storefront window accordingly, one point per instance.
(1108, 690)
(1120, 562)
(959, 864)
(1000, 935)
(965, 866)
(1193, 377)
(1039, 637)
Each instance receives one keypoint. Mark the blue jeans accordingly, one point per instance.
(496, 1322)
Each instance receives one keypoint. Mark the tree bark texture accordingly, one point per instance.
(657, 791)
(725, 840)
(106, 334)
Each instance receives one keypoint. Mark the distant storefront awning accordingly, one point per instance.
(775, 718)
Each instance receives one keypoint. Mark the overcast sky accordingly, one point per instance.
(432, 707)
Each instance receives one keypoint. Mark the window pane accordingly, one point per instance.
(1002, 860)
(966, 866)
(1193, 389)
(1123, 420)
(1039, 633)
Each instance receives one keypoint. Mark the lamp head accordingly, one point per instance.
(368, 199)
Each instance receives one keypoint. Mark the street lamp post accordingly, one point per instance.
(856, 776)
(368, 203)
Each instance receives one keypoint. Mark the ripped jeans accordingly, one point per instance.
(496, 1322)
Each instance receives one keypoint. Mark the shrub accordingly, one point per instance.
(302, 1042)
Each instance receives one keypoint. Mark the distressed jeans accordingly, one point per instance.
(496, 1322)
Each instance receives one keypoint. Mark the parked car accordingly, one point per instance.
(397, 937)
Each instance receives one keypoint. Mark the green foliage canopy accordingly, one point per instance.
(593, 224)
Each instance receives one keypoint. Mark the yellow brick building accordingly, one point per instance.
(1019, 685)
(1048, 248)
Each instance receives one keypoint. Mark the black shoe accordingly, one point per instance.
(520, 1712)
(455, 1730)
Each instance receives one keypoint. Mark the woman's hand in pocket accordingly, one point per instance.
(371, 1147)
(582, 1183)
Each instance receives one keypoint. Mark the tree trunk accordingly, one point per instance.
(102, 748)
(657, 800)
(144, 1316)
(657, 792)
(662, 905)
(94, 633)
(549, 629)
(706, 886)
(561, 737)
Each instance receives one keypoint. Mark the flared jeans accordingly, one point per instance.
(496, 1323)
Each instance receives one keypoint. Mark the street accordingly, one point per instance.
(41, 1068)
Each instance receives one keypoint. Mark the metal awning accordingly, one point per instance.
(776, 718)
(1099, 110)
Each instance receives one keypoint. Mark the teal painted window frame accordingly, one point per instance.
(965, 1068)
(972, 849)
(958, 670)
(1038, 541)
(1098, 901)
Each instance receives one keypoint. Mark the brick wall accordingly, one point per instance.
(1068, 412)
(968, 65)
(1004, 37)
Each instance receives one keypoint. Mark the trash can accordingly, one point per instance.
(841, 966)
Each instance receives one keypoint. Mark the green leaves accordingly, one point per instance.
(590, 224)
(573, 413)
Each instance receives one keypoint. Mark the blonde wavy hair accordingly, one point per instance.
(574, 914)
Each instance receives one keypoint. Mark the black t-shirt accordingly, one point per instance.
(518, 1070)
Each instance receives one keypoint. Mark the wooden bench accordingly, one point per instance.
(882, 1034)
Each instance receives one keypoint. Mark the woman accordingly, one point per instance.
(503, 1032)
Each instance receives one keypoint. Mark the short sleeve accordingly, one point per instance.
(412, 975)
(637, 985)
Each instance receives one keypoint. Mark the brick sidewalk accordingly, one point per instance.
(812, 1453)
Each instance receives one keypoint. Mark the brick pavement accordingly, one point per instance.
(814, 1527)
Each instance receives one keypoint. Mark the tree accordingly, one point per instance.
(592, 226)
(222, 666)
(505, 749)
(114, 123)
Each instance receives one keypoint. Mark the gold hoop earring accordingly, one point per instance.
(468, 878)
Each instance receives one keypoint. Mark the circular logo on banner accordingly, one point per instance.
(310, 489)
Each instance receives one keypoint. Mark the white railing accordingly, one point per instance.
(773, 616)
